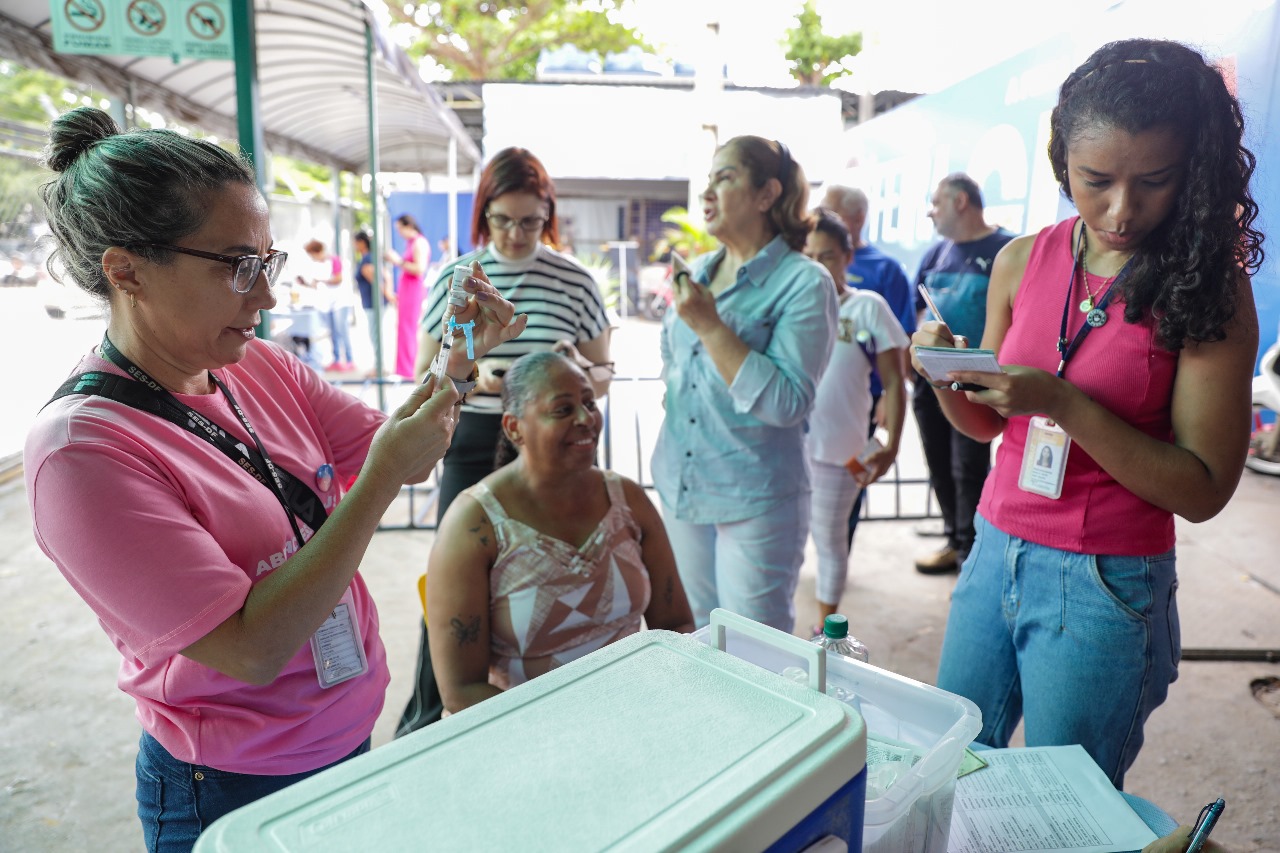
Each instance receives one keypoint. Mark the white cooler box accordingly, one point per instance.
(912, 813)
(656, 742)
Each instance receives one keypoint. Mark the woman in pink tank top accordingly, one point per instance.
(548, 558)
(1127, 336)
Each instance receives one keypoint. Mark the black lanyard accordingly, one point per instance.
(1068, 351)
(148, 395)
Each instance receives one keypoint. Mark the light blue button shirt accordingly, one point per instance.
(731, 452)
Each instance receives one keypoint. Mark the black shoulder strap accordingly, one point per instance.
(298, 497)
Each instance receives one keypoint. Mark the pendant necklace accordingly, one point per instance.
(1087, 305)
(1093, 316)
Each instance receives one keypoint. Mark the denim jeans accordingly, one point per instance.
(177, 801)
(1082, 646)
(957, 464)
(340, 333)
(749, 567)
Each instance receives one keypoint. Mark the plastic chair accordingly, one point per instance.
(422, 595)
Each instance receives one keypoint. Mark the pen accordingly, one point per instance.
(1204, 825)
(955, 386)
(928, 300)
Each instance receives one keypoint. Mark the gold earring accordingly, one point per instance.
(133, 301)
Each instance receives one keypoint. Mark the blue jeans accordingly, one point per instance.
(340, 333)
(749, 567)
(177, 801)
(1082, 646)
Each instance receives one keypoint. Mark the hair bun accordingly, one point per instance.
(73, 133)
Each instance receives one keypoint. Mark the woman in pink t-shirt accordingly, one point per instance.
(1128, 337)
(188, 480)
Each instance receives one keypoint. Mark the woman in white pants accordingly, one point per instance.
(868, 337)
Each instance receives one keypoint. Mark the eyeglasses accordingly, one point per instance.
(501, 222)
(245, 269)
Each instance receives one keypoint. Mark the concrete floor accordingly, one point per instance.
(68, 737)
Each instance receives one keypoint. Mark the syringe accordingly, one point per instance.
(457, 301)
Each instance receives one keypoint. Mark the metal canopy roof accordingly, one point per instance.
(311, 85)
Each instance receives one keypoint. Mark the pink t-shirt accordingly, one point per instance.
(1122, 368)
(163, 536)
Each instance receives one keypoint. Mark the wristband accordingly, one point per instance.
(465, 386)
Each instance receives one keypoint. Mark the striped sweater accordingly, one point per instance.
(557, 292)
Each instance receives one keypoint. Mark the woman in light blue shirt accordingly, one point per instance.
(743, 351)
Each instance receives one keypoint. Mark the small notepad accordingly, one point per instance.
(939, 361)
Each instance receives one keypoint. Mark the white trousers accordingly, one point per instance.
(834, 492)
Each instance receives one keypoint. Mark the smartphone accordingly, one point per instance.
(679, 267)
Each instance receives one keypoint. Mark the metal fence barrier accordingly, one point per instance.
(632, 417)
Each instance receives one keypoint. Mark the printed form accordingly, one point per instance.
(1052, 798)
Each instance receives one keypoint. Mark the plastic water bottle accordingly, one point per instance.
(835, 638)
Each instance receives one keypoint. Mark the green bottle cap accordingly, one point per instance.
(836, 626)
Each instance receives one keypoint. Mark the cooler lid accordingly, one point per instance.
(655, 742)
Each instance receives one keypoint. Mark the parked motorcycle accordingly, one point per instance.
(1264, 445)
(656, 295)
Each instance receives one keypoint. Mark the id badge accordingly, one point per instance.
(336, 646)
(1044, 460)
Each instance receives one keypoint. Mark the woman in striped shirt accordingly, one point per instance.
(514, 224)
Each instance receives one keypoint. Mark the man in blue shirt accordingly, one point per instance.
(871, 269)
(956, 271)
(364, 279)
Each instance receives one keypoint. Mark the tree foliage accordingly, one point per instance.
(491, 40)
(689, 236)
(30, 95)
(814, 55)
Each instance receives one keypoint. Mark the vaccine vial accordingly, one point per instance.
(457, 293)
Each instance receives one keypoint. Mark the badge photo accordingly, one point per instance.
(1044, 459)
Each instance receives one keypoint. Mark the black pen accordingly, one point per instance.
(1204, 825)
(955, 386)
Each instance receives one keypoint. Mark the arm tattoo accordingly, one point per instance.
(465, 634)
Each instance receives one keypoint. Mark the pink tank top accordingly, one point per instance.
(551, 602)
(1122, 368)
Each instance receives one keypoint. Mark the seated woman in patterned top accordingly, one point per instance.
(549, 557)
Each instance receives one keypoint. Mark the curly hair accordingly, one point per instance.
(1185, 272)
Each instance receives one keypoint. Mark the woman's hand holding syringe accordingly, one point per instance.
(477, 314)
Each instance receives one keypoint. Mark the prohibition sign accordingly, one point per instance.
(85, 15)
(146, 17)
(205, 21)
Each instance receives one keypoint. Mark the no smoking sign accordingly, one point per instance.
(190, 29)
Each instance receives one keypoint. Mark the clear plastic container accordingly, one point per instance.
(837, 640)
(908, 806)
